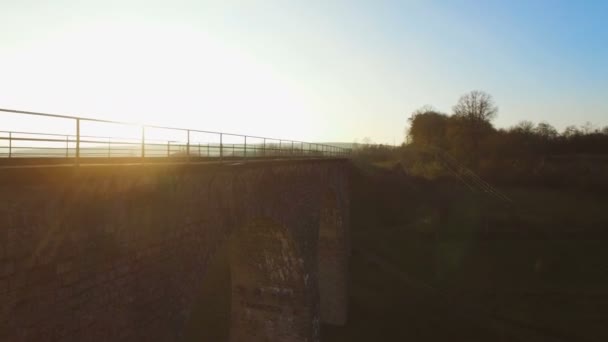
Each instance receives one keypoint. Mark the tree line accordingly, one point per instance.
(469, 134)
(529, 153)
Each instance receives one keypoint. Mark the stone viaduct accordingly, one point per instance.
(173, 252)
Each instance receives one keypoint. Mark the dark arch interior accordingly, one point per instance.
(210, 317)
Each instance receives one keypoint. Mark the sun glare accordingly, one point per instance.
(174, 77)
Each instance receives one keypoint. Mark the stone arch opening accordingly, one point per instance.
(210, 316)
(257, 291)
(332, 261)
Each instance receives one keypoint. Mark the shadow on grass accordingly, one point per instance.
(534, 271)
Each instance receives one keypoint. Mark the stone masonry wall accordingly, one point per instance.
(118, 253)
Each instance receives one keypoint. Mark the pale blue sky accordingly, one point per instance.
(310, 70)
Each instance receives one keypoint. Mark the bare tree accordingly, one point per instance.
(588, 128)
(571, 131)
(423, 110)
(523, 127)
(476, 106)
(546, 131)
(474, 111)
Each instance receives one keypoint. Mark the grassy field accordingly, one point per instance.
(433, 262)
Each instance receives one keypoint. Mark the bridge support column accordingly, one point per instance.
(270, 297)
(333, 262)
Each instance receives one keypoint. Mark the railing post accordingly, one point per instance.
(250, 150)
(245, 153)
(221, 147)
(188, 147)
(143, 143)
(77, 141)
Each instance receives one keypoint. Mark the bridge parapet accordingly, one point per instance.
(87, 140)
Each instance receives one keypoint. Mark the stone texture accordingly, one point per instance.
(118, 253)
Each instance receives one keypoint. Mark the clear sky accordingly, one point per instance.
(309, 70)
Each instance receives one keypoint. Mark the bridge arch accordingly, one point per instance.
(333, 252)
(255, 289)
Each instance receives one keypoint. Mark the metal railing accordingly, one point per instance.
(468, 177)
(184, 145)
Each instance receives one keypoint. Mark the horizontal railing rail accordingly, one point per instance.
(193, 145)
